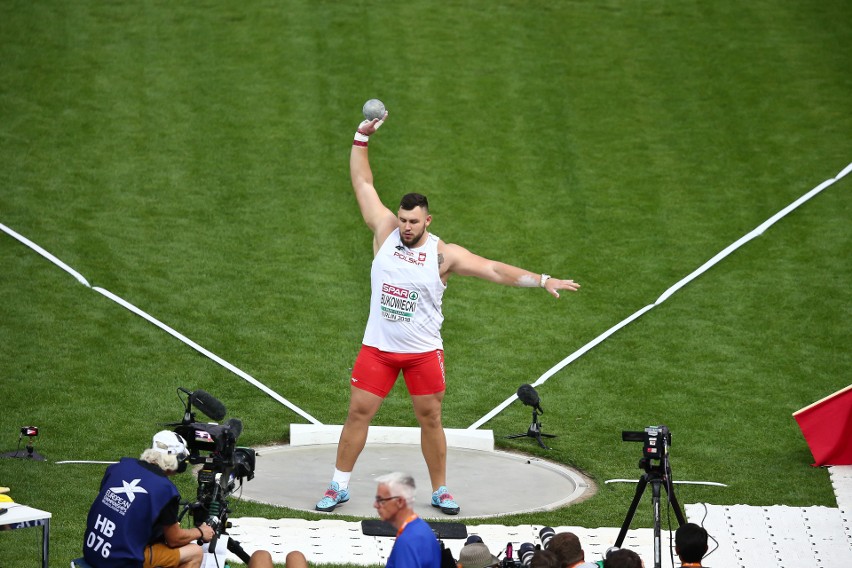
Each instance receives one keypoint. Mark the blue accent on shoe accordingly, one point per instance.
(333, 497)
(444, 501)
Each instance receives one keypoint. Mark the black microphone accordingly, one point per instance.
(235, 426)
(208, 404)
(528, 396)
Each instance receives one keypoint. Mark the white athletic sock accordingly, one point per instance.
(342, 478)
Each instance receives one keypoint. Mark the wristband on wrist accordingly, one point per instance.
(360, 139)
(544, 279)
(201, 532)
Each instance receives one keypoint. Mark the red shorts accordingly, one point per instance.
(376, 371)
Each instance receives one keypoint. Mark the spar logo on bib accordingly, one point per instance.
(398, 304)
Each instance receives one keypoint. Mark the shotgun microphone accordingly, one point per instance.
(208, 404)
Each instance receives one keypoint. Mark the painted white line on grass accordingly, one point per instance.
(83, 461)
(759, 230)
(237, 371)
(161, 325)
(46, 255)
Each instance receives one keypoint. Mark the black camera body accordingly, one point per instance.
(216, 445)
(656, 441)
(223, 465)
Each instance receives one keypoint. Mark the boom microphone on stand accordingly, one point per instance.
(529, 396)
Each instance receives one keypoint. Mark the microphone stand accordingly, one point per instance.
(534, 430)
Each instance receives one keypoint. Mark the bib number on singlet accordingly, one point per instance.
(398, 304)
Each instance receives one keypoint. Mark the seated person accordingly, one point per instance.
(475, 554)
(133, 522)
(623, 558)
(569, 553)
(690, 544)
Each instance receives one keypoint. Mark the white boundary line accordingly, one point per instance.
(759, 230)
(161, 325)
(237, 371)
(46, 255)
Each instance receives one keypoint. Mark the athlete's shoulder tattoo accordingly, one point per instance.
(440, 258)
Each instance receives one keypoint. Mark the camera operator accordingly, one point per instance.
(134, 520)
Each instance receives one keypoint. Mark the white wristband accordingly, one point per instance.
(544, 278)
(360, 139)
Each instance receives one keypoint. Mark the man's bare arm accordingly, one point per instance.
(459, 260)
(177, 536)
(378, 218)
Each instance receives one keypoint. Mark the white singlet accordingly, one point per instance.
(405, 302)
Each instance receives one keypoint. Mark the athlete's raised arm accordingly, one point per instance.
(381, 220)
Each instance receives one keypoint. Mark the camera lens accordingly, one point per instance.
(545, 535)
(525, 553)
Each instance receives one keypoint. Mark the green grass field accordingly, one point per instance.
(193, 159)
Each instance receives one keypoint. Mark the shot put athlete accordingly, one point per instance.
(410, 270)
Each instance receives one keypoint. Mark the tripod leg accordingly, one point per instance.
(673, 500)
(237, 549)
(655, 498)
(640, 488)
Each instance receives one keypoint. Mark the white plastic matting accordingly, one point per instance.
(747, 537)
(754, 537)
(342, 542)
(841, 480)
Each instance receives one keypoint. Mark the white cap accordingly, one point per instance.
(170, 443)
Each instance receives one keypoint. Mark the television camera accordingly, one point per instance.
(658, 474)
(656, 441)
(223, 463)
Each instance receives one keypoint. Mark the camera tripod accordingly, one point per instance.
(657, 476)
(534, 431)
(219, 526)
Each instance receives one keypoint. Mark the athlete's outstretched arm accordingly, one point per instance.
(378, 218)
(459, 260)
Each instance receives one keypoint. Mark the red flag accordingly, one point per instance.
(827, 426)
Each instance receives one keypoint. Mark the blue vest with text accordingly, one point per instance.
(120, 520)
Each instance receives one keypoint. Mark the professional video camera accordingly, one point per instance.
(223, 463)
(656, 440)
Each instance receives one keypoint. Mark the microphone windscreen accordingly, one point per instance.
(208, 404)
(528, 395)
(235, 425)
